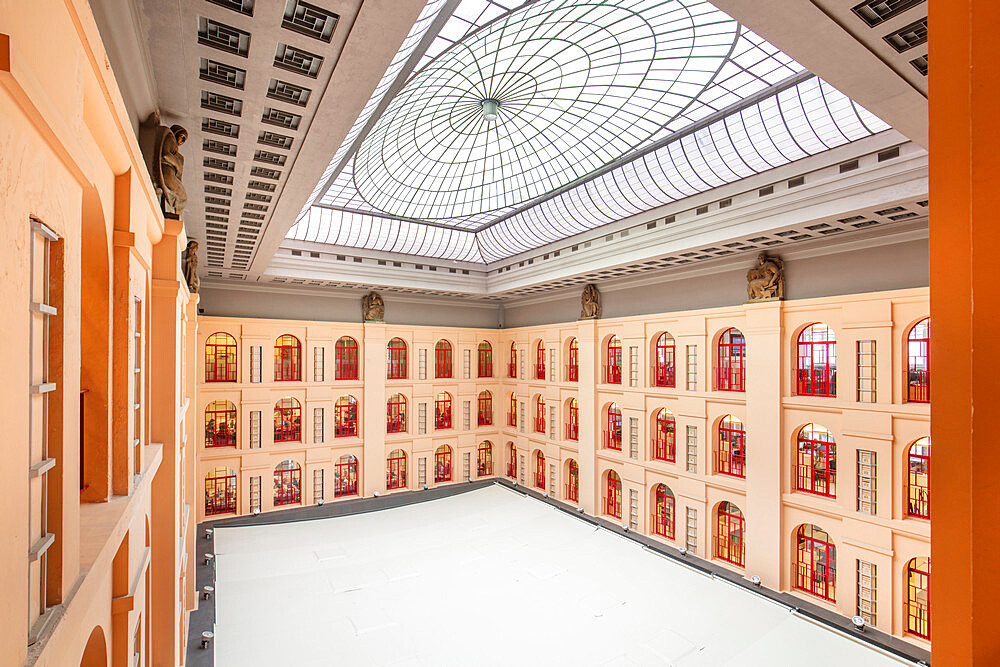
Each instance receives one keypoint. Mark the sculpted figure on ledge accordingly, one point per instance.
(189, 263)
(168, 167)
(591, 303)
(372, 308)
(766, 280)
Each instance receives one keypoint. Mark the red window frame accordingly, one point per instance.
(613, 497)
(484, 459)
(917, 611)
(442, 464)
(540, 415)
(540, 361)
(539, 470)
(918, 362)
(512, 460)
(345, 476)
(512, 414)
(815, 562)
(395, 359)
(918, 479)
(220, 358)
(613, 434)
(287, 359)
(573, 483)
(395, 470)
(613, 369)
(485, 366)
(484, 405)
(573, 427)
(512, 364)
(665, 439)
(816, 461)
(817, 362)
(345, 358)
(732, 361)
(220, 491)
(731, 454)
(442, 411)
(664, 368)
(395, 418)
(663, 512)
(730, 544)
(573, 367)
(345, 417)
(220, 424)
(287, 485)
(442, 359)
(287, 420)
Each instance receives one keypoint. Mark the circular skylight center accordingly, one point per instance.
(536, 100)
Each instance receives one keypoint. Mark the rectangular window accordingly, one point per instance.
(866, 591)
(467, 415)
(318, 364)
(421, 471)
(422, 364)
(633, 366)
(255, 355)
(633, 509)
(552, 480)
(521, 456)
(692, 368)
(466, 466)
(691, 535)
(255, 494)
(137, 385)
(255, 429)
(552, 364)
(523, 419)
(466, 364)
(866, 481)
(521, 362)
(317, 484)
(421, 418)
(692, 449)
(317, 425)
(866, 372)
(633, 437)
(552, 422)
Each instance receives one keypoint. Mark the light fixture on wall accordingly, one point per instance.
(683, 551)
(206, 638)
(491, 110)
(320, 501)
(208, 533)
(375, 494)
(625, 527)
(859, 623)
(755, 580)
(580, 509)
(209, 558)
(206, 592)
(256, 511)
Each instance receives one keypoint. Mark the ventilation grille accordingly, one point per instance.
(309, 20)
(222, 127)
(241, 6)
(223, 37)
(225, 75)
(274, 139)
(261, 185)
(908, 37)
(269, 157)
(298, 60)
(262, 172)
(218, 178)
(221, 147)
(221, 103)
(920, 64)
(288, 92)
(875, 12)
(281, 118)
(216, 163)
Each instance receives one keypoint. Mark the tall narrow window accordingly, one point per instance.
(540, 361)
(484, 410)
(318, 486)
(664, 437)
(485, 365)
(918, 479)
(729, 542)
(867, 581)
(442, 359)
(256, 354)
(918, 363)
(345, 417)
(287, 420)
(613, 434)
(442, 410)
(442, 464)
(512, 414)
(663, 362)
(220, 491)
(396, 359)
(866, 376)
(613, 495)
(732, 453)
(918, 597)
(539, 470)
(484, 459)
(573, 481)
(613, 367)
(287, 359)
(220, 358)
(573, 365)
(817, 362)
(511, 460)
(318, 426)
(512, 364)
(220, 424)
(346, 359)
(692, 449)
(395, 421)
(816, 461)
(540, 415)
(663, 512)
(573, 426)
(287, 483)
(815, 562)
(732, 361)
(319, 359)
(395, 471)
(866, 482)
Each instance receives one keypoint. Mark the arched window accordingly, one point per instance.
(442, 359)
(613, 495)
(395, 420)
(817, 356)
(918, 363)
(573, 482)
(345, 417)
(729, 540)
(220, 358)
(345, 476)
(442, 410)
(663, 364)
(540, 415)
(540, 361)
(287, 483)
(396, 359)
(512, 364)
(485, 360)
(918, 479)
(395, 470)
(613, 368)
(484, 459)
(573, 365)
(664, 437)
(613, 433)
(511, 460)
(346, 359)
(512, 414)
(663, 512)
(816, 461)
(917, 603)
(732, 361)
(485, 408)
(539, 470)
(815, 562)
(287, 359)
(573, 426)
(220, 424)
(442, 464)
(220, 491)
(732, 452)
(287, 420)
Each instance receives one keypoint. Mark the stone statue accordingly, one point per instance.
(766, 280)
(591, 302)
(372, 308)
(168, 168)
(189, 262)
